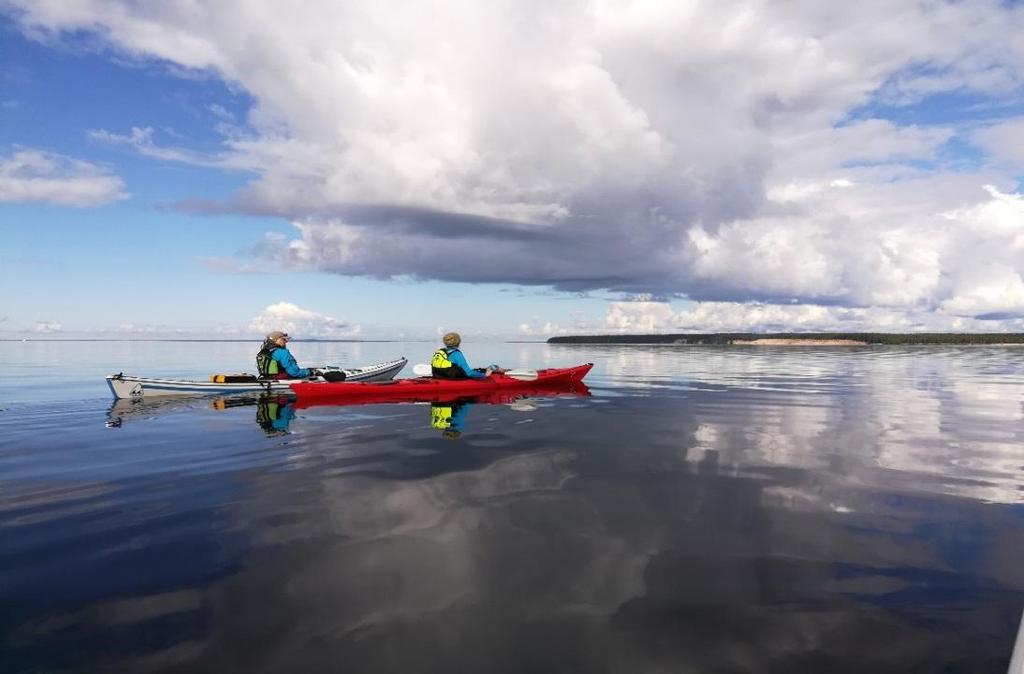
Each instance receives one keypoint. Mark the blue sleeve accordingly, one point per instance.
(457, 358)
(287, 361)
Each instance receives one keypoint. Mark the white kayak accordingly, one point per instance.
(127, 386)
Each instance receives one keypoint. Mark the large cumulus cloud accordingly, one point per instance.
(724, 152)
(300, 322)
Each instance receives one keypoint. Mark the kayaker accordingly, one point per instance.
(449, 363)
(275, 361)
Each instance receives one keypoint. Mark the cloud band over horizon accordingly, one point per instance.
(860, 159)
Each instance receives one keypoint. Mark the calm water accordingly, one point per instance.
(702, 510)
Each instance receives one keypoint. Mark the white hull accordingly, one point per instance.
(127, 386)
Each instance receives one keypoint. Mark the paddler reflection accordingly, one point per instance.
(275, 413)
(449, 417)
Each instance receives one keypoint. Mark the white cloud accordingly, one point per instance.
(712, 150)
(1003, 141)
(34, 176)
(542, 329)
(221, 112)
(865, 246)
(47, 327)
(639, 316)
(709, 317)
(993, 289)
(824, 148)
(300, 323)
(141, 138)
(158, 330)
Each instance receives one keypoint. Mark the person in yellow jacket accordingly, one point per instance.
(449, 363)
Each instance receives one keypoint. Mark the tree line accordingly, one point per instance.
(867, 337)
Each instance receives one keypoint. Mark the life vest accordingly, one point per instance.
(441, 366)
(265, 363)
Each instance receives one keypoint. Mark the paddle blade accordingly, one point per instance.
(522, 375)
(421, 370)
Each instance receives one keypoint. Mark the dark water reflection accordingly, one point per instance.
(713, 510)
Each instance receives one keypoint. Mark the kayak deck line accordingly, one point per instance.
(429, 386)
(124, 386)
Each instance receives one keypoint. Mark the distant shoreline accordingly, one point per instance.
(804, 339)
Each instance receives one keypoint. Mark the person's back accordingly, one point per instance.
(275, 361)
(448, 362)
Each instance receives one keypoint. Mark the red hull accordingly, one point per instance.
(497, 397)
(428, 388)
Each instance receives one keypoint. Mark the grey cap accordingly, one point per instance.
(277, 334)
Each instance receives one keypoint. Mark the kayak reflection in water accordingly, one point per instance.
(275, 413)
(142, 408)
(449, 417)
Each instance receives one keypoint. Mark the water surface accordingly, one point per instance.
(707, 509)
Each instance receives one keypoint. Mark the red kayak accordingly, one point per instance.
(503, 396)
(427, 388)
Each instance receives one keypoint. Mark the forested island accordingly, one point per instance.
(802, 338)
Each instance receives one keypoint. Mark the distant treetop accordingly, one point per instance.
(722, 338)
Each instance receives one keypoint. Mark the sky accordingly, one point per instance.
(509, 170)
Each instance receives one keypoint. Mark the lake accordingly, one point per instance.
(700, 509)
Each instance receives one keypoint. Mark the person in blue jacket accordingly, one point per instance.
(449, 363)
(275, 361)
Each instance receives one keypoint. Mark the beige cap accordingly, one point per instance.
(277, 334)
(452, 339)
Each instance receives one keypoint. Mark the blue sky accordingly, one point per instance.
(509, 171)
(139, 261)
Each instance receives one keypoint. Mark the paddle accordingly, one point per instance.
(423, 370)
